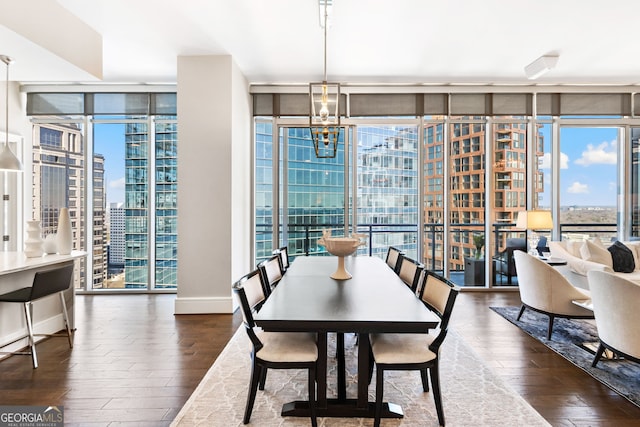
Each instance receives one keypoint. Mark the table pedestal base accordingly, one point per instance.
(341, 408)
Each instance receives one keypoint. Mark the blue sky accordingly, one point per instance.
(588, 166)
(109, 141)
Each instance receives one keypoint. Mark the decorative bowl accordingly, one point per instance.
(341, 247)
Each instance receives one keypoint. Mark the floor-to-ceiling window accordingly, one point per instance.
(118, 176)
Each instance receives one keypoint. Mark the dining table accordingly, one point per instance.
(374, 300)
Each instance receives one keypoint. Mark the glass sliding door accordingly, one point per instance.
(588, 182)
(313, 192)
(387, 187)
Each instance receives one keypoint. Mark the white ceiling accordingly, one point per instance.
(369, 42)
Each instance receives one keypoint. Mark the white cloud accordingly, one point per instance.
(544, 162)
(604, 153)
(117, 183)
(578, 188)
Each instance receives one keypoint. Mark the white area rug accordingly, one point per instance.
(472, 394)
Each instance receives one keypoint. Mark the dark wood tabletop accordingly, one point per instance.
(374, 300)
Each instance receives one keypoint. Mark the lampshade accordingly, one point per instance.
(534, 220)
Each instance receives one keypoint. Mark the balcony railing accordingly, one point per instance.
(302, 239)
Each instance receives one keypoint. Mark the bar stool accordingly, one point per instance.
(45, 283)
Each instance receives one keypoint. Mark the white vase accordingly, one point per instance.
(64, 234)
(33, 244)
(50, 246)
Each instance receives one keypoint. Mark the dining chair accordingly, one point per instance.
(393, 258)
(271, 271)
(45, 283)
(416, 352)
(275, 350)
(409, 271)
(284, 257)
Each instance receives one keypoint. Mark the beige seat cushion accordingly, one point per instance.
(288, 346)
(402, 348)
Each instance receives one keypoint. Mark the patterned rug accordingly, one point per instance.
(472, 394)
(568, 339)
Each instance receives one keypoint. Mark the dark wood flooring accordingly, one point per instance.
(134, 363)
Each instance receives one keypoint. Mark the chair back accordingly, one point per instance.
(439, 295)
(615, 306)
(393, 258)
(284, 257)
(271, 270)
(49, 282)
(250, 292)
(409, 272)
(543, 287)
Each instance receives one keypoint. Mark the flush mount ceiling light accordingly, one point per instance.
(324, 117)
(540, 66)
(8, 160)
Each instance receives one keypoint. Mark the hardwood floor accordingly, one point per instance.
(134, 363)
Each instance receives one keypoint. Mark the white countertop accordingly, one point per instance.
(12, 262)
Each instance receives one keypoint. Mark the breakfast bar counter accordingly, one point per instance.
(17, 271)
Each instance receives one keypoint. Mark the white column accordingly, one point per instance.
(214, 165)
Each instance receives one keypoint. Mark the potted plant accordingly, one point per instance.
(478, 242)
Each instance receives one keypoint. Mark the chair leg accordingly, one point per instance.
(435, 384)
(425, 380)
(253, 388)
(551, 318)
(312, 397)
(263, 377)
(379, 395)
(32, 343)
(596, 359)
(522, 307)
(65, 314)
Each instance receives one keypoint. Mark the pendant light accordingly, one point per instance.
(8, 160)
(324, 118)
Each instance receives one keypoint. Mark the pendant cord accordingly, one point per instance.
(325, 40)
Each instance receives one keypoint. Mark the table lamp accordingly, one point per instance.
(534, 220)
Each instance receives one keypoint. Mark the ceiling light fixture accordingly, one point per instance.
(324, 117)
(8, 160)
(540, 66)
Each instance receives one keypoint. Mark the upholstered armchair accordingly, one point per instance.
(545, 290)
(615, 305)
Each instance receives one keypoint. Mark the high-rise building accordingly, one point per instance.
(116, 232)
(58, 182)
(467, 163)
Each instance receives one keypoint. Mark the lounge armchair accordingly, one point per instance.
(615, 305)
(545, 290)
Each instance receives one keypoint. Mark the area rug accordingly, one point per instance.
(473, 395)
(568, 339)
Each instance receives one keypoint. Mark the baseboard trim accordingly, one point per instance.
(204, 305)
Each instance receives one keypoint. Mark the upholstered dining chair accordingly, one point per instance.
(284, 257)
(271, 271)
(615, 306)
(416, 352)
(275, 350)
(545, 290)
(393, 258)
(409, 272)
(45, 283)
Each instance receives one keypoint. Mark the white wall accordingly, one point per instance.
(214, 123)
